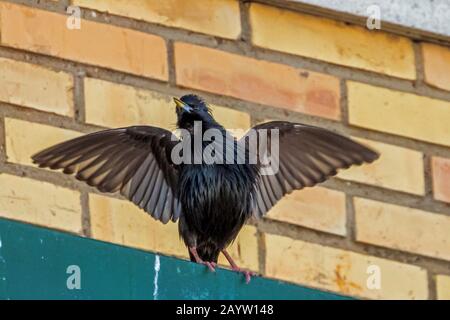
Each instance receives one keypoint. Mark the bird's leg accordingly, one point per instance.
(210, 265)
(248, 274)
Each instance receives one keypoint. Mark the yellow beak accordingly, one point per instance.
(181, 105)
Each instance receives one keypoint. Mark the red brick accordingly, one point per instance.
(436, 60)
(441, 178)
(257, 81)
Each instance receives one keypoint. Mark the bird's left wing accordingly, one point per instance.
(134, 160)
(305, 156)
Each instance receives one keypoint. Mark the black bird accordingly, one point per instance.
(212, 201)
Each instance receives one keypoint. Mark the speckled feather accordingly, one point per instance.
(211, 201)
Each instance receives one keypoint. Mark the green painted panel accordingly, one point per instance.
(34, 263)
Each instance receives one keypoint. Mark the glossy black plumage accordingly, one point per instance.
(211, 201)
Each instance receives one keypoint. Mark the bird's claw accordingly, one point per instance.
(248, 274)
(211, 265)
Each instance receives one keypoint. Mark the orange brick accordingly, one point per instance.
(436, 61)
(316, 208)
(402, 228)
(95, 43)
(441, 178)
(36, 87)
(216, 17)
(257, 81)
(332, 41)
(342, 271)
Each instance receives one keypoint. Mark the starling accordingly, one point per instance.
(211, 200)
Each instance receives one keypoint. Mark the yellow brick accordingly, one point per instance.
(23, 139)
(316, 208)
(341, 271)
(36, 87)
(121, 222)
(436, 60)
(114, 105)
(443, 287)
(402, 228)
(217, 17)
(40, 203)
(237, 122)
(399, 113)
(93, 43)
(244, 250)
(332, 41)
(397, 168)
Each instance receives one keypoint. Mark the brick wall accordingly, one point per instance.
(253, 62)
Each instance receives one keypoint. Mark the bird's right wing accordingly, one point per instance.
(306, 156)
(135, 161)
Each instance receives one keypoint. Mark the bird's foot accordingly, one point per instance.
(211, 265)
(247, 273)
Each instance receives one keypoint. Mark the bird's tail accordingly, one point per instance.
(206, 253)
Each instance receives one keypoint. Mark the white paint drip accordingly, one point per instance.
(1, 257)
(155, 279)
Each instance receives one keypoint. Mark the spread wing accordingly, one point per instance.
(307, 155)
(134, 160)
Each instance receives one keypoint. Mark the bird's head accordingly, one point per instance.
(191, 108)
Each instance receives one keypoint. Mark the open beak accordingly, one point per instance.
(181, 105)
